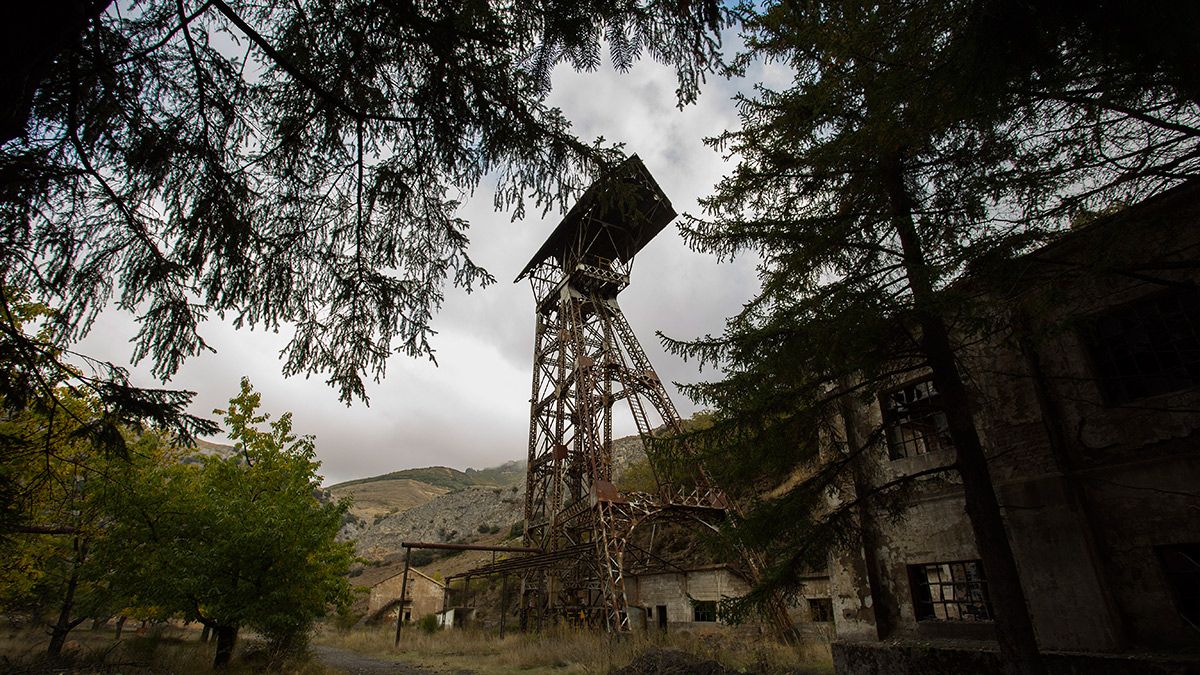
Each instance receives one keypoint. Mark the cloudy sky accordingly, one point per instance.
(472, 409)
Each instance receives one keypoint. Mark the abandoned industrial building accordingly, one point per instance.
(1087, 402)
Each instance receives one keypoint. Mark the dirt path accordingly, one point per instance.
(355, 663)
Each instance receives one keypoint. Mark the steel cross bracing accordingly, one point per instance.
(587, 360)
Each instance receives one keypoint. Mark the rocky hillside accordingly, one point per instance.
(439, 504)
(461, 516)
(377, 497)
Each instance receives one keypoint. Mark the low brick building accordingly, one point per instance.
(1087, 399)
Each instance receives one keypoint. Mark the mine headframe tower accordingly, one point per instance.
(586, 360)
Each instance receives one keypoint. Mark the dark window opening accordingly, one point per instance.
(915, 421)
(1181, 563)
(704, 610)
(950, 591)
(407, 616)
(1148, 348)
(662, 616)
(820, 609)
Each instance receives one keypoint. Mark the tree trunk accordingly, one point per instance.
(1014, 628)
(226, 638)
(120, 625)
(204, 634)
(62, 627)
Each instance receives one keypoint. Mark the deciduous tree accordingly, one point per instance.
(234, 541)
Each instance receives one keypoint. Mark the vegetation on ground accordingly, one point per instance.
(157, 650)
(570, 650)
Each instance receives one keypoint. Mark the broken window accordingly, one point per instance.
(1181, 563)
(1147, 348)
(950, 591)
(820, 609)
(914, 420)
(704, 610)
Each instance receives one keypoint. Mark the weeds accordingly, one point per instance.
(568, 650)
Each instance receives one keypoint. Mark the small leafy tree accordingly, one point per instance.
(46, 565)
(235, 541)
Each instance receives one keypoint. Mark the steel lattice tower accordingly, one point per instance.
(586, 361)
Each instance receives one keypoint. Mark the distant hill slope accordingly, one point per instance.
(461, 516)
(505, 475)
(374, 499)
(377, 497)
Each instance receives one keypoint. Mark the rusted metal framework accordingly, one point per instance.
(586, 361)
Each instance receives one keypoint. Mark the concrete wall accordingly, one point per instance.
(676, 591)
(1089, 489)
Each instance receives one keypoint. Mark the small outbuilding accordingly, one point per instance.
(423, 596)
(687, 598)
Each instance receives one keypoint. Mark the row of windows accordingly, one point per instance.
(1144, 349)
(958, 591)
(819, 610)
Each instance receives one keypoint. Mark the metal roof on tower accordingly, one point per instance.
(614, 219)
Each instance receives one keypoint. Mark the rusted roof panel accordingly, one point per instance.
(614, 219)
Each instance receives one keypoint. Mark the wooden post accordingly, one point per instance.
(503, 602)
(403, 594)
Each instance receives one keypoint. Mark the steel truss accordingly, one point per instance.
(586, 360)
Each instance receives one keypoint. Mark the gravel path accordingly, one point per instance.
(354, 663)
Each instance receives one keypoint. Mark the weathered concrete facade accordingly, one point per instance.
(686, 599)
(424, 596)
(1086, 397)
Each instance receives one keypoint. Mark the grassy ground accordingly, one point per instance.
(172, 649)
(565, 650)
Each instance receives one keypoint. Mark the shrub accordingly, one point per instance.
(517, 529)
(428, 624)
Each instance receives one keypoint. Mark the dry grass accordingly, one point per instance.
(566, 650)
(172, 650)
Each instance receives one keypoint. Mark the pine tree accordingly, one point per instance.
(907, 154)
(291, 166)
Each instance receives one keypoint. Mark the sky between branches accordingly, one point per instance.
(472, 410)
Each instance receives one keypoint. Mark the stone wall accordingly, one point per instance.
(424, 595)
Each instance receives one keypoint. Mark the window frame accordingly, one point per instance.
(925, 605)
(1099, 360)
(897, 451)
(826, 611)
(704, 608)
